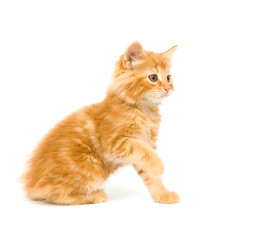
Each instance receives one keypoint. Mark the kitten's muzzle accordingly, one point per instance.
(167, 89)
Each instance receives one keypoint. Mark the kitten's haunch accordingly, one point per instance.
(75, 158)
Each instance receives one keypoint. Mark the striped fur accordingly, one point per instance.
(74, 159)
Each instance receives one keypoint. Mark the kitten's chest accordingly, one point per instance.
(148, 130)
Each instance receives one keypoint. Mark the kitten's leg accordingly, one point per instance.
(67, 196)
(97, 196)
(72, 184)
(139, 154)
(157, 191)
(149, 166)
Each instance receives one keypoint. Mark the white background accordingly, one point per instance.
(57, 56)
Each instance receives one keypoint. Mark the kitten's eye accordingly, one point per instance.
(153, 78)
(168, 78)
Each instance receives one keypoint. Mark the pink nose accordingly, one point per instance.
(167, 89)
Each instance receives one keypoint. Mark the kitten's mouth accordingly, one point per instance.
(166, 94)
(159, 96)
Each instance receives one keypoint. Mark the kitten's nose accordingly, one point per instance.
(167, 89)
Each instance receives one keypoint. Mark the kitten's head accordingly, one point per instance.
(143, 75)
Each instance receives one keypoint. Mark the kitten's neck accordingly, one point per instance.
(114, 98)
(147, 106)
(142, 105)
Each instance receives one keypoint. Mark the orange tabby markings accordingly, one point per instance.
(74, 159)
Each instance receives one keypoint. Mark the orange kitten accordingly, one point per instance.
(75, 158)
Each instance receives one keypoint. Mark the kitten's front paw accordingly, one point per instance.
(166, 197)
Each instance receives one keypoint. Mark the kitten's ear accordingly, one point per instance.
(168, 54)
(133, 55)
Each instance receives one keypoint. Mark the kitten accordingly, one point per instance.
(76, 157)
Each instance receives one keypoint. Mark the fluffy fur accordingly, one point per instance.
(75, 158)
